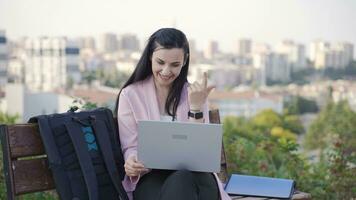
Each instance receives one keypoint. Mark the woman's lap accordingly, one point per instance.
(167, 184)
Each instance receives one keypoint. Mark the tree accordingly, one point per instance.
(293, 123)
(334, 119)
(300, 105)
(7, 119)
(276, 155)
(89, 77)
(267, 119)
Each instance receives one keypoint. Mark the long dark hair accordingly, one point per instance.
(168, 38)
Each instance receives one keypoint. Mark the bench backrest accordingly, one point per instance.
(25, 163)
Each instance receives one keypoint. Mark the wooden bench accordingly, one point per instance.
(26, 168)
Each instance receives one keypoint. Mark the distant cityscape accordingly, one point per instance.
(46, 74)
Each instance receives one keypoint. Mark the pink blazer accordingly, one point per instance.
(138, 101)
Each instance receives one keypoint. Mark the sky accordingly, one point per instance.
(224, 21)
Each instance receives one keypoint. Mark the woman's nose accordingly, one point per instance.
(165, 70)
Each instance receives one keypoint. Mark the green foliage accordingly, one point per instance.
(108, 77)
(301, 76)
(336, 73)
(260, 153)
(114, 79)
(300, 105)
(50, 195)
(293, 123)
(342, 170)
(7, 119)
(333, 177)
(305, 76)
(251, 150)
(268, 120)
(83, 104)
(89, 77)
(334, 119)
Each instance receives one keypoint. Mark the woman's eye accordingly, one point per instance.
(160, 63)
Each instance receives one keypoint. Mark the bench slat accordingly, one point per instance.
(24, 140)
(32, 176)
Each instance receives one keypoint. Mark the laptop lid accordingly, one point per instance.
(243, 185)
(180, 145)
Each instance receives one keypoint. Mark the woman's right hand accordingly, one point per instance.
(133, 167)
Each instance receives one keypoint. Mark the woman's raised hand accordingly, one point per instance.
(198, 93)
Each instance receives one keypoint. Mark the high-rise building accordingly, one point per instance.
(317, 47)
(271, 67)
(211, 50)
(295, 54)
(109, 43)
(261, 48)
(348, 52)
(51, 63)
(326, 55)
(87, 43)
(4, 56)
(72, 61)
(244, 47)
(129, 42)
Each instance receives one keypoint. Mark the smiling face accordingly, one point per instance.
(167, 65)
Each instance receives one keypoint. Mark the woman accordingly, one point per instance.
(158, 90)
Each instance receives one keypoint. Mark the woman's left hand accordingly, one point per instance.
(198, 93)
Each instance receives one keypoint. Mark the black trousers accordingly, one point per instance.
(174, 185)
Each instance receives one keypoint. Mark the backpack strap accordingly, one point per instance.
(48, 139)
(118, 156)
(84, 158)
(102, 135)
(54, 160)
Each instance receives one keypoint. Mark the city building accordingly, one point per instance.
(51, 63)
(271, 68)
(4, 56)
(109, 43)
(244, 47)
(245, 104)
(87, 43)
(326, 55)
(26, 104)
(211, 50)
(295, 54)
(129, 42)
(16, 70)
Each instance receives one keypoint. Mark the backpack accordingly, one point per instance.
(84, 154)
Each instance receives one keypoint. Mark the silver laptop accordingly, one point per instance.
(180, 145)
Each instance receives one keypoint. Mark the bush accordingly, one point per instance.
(251, 150)
(334, 119)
